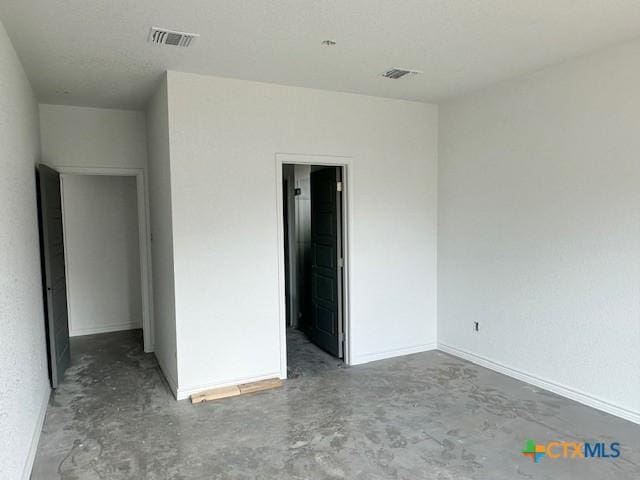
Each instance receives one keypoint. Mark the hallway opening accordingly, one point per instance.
(314, 259)
(94, 254)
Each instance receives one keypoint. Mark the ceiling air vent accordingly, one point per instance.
(396, 73)
(163, 36)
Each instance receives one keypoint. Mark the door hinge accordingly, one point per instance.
(341, 263)
(339, 186)
(341, 337)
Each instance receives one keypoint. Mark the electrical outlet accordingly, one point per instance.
(476, 326)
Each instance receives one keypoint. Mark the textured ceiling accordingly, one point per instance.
(96, 52)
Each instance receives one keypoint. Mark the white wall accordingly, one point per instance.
(24, 384)
(103, 254)
(539, 227)
(162, 235)
(92, 137)
(224, 135)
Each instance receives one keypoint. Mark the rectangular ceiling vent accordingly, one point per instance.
(396, 73)
(164, 36)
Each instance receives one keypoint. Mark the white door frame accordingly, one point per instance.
(143, 238)
(347, 180)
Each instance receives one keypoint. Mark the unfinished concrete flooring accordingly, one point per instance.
(425, 416)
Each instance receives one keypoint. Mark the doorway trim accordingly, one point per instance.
(144, 238)
(346, 162)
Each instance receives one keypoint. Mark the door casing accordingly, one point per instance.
(346, 162)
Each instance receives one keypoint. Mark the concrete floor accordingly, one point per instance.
(424, 416)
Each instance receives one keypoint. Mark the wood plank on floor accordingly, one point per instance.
(235, 390)
(261, 386)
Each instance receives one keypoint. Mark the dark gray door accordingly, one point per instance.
(326, 260)
(54, 281)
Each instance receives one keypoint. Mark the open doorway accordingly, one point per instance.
(95, 256)
(102, 251)
(314, 261)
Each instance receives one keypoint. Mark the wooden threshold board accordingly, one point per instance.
(236, 390)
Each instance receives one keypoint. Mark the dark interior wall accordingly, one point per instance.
(303, 243)
(297, 242)
(288, 189)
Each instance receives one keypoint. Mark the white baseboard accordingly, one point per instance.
(33, 448)
(186, 392)
(372, 357)
(77, 332)
(556, 388)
